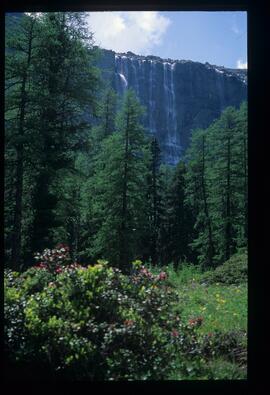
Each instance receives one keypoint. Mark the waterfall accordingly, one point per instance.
(178, 95)
(173, 146)
(121, 69)
(152, 103)
(135, 75)
(174, 120)
(141, 74)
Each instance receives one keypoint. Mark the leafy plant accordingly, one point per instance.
(233, 271)
(94, 322)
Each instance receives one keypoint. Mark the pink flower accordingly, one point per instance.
(196, 321)
(162, 276)
(128, 322)
(175, 333)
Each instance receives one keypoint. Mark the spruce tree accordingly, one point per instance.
(198, 197)
(154, 199)
(50, 86)
(179, 218)
(118, 188)
(21, 43)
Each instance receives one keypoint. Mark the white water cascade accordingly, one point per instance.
(173, 143)
(156, 95)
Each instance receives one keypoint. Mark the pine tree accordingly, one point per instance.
(66, 83)
(179, 218)
(21, 44)
(198, 197)
(118, 188)
(228, 175)
(154, 198)
(50, 86)
(217, 186)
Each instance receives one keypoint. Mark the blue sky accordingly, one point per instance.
(216, 37)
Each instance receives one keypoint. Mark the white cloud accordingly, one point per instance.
(241, 65)
(136, 31)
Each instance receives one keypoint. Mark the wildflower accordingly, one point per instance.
(175, 333)
(162, 276)
(196, 321)
(59, 270)
(128, 322)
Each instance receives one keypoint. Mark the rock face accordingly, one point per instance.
(178, 95)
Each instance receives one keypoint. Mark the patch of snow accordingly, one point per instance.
(219, 71)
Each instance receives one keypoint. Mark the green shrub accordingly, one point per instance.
(93, 322)
(233, 271)
(230, 345)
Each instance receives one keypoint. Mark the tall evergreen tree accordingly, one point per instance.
(218, 157)
(179, 218)
(53, 103)
(198, 197)
(154, 198)
(228, 176)
(67, 84)
(118, 187)
(21, 42)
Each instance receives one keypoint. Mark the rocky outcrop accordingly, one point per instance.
(178, 95)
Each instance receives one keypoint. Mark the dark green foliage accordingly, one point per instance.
(217, 187)
(118, 188)
(233, 271)
(50, 85)
(231, 345)
(154, 204)
(179, 219)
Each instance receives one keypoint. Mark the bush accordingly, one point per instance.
(233, 271)
(230, 345)
(93, 322)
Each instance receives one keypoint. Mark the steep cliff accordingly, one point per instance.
(179, 95)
